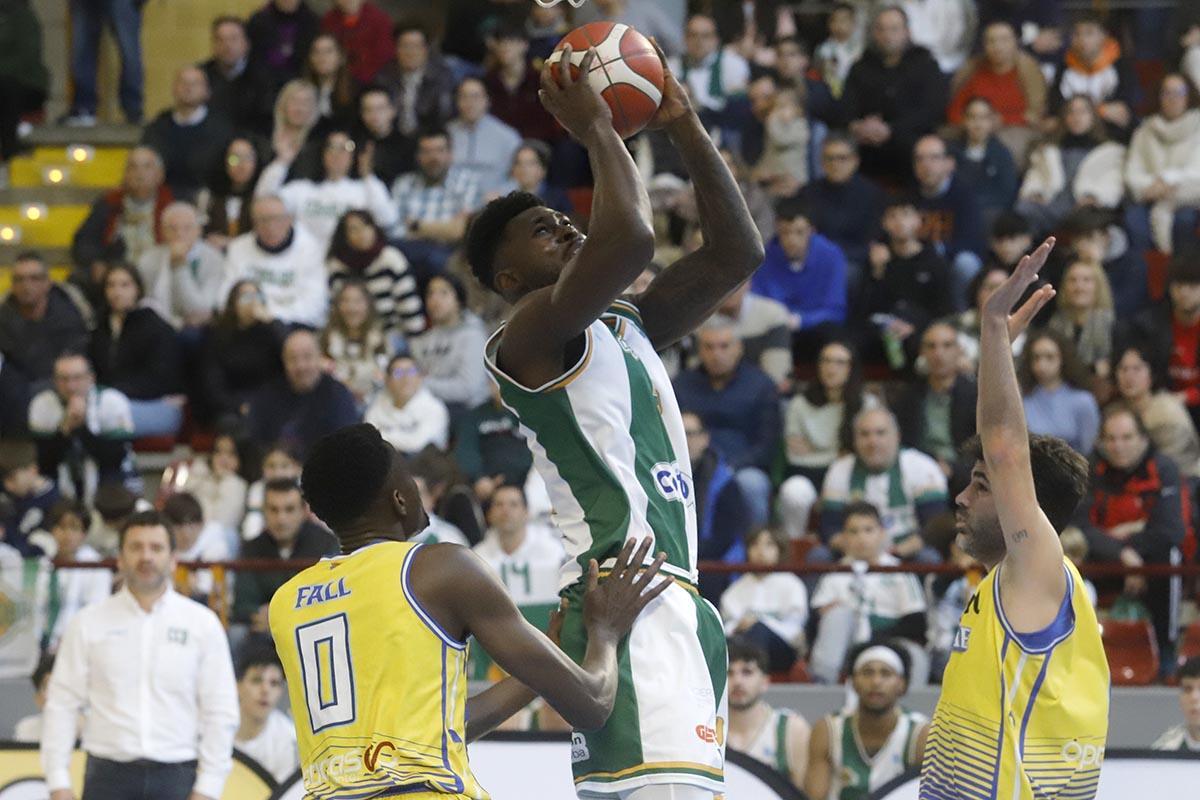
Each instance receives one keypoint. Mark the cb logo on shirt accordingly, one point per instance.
(671, 482)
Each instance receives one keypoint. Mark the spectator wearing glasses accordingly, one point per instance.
(39, 320)
(407, 414)
(225, 202)
(845, 206)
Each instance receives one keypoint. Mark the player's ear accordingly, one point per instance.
(506, 282)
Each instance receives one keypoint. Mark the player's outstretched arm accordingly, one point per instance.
(467, 599)
(620, 241)
(495, 704)
(1032, 581)
(691, 288)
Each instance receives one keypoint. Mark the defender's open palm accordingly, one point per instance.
(572, 100)
(1000, 303)
(610, 606)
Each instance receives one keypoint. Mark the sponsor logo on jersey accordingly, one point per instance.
(579, 748)
(962, 638)
(672, 483)
(1086, 755)
(371, 754)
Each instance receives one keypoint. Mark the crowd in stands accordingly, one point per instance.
(283, 257)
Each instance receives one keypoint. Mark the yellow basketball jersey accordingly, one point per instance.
(1021, 716)
(378, 690)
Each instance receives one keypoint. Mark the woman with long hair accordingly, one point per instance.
(317, 204)
(360, 252)
(1074, 167)
(1163, 170)
(135, 351)
(1141, 379)
(1084, 315)
(817, 428)
(967, 323)
(327, 70)
(295, 116)
(449, 353)
(1054, 385)
(354, 341)
(225, 202)
(241, 353)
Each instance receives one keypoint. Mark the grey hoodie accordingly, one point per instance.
(452, 359)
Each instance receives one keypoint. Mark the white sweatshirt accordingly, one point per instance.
(292, 281)
(423, 421)
(318, 205)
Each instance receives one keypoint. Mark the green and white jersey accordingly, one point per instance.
(607, 438)
(770, 746)
(855, 774)
(529, 573)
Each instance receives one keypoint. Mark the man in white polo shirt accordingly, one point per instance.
(150, 671)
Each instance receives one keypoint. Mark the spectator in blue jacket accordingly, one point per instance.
(721, 512)
(303, 405)
(950, 214)
(984, 163)
(807, 273)
(739, 406)
(845, 206)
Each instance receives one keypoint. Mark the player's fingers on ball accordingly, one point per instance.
(564, 66)
(589, 58)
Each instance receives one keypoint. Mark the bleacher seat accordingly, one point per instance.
(1132, 652)
(797, 674)
(1189, 642)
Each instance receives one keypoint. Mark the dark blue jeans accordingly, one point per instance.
(88, 18)
(137, 780)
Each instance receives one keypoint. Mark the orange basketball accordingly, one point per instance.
(627, 72)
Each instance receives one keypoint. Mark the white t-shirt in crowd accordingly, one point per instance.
(275, 747)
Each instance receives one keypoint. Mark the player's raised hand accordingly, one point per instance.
(610, 606)
(1001, 302)
(675, 103)
(572, 100)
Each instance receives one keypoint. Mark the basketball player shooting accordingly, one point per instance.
(580, 370)
(1023, 712)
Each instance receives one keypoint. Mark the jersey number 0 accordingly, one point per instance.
(327, 672)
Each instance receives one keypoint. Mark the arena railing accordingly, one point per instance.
(218, 599)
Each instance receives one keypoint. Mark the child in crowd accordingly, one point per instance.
(948, 610)
(31, 494)
(215, 482)
(354, 344)
(61, 593)
(1075, 547)
(768, 608)
(857, 606)
(111, 506)
(1185, 738)
(195, 540)
(281, 461)
(985, 163)
(783, 166)
(265, 733)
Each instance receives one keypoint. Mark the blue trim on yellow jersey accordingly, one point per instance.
(1045, 640)
(458, 782)
(1033, 693)
(424, 616)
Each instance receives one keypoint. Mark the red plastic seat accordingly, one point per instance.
(1132, 652)
(797, 674)
(154, 444)
(1189, 642)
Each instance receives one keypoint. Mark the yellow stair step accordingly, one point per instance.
(102, 167)
(40, 225)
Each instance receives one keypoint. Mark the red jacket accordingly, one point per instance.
(366, 39)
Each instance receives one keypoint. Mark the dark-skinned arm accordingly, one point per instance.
(491, 707)
(690, 289)
(619, 245)
(464, 596)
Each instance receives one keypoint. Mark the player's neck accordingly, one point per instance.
(875, 723)
(358, 537)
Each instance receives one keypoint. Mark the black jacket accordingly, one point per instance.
(254, 589)
(909, 407)
(30, 346)
(279, 42)
(915, 288)
(236, 364)
(190, 153)
(247, 100)
(143, 361)
(848, 213)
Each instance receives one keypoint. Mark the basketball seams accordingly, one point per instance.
(604, 66)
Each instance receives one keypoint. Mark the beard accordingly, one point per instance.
(983, 540)
(745, 705)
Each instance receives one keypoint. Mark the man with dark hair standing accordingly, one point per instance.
(580, 369)
(152, 670)
(1027, 669)
(237, 92)
(280, 34)
(410, 663)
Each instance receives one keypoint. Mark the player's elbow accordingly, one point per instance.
(1003, 450)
